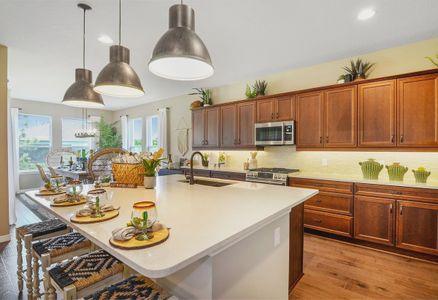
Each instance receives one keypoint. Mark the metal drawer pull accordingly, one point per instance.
(390, 208)
(317, 220)
(397, 192)
(318, 201)
(401, 210)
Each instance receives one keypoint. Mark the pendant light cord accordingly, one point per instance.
(83, 43)
(120, 22)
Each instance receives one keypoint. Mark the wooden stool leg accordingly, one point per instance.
(70, 292)
(51, 292)
(45, 263)
(36, 277)
(19, 263)
(28, 246)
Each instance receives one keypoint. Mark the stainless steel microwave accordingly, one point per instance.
(275, 133)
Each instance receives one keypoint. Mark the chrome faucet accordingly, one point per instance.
(192, 180)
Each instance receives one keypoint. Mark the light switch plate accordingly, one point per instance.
(276, 237)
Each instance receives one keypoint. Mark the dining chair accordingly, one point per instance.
(100, 164)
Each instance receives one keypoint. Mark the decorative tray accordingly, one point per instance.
(108, 215)
(159, 237)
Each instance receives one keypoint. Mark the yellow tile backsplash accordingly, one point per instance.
(331, 162)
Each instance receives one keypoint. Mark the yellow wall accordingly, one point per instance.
(403, 59)
(4, 203)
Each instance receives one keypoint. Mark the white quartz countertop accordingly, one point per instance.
(408, 182)
(203, 219)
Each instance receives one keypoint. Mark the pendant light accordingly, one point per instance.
(81, 93)
(118, 78)
(85, 132)
(180, 53)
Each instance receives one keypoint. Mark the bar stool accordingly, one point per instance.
(34, 232)
(135, 287)
(55, 250)
(84, 275)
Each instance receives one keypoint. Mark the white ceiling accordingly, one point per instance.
(246, 38)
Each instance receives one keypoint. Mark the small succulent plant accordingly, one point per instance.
(432, 60)
(359, 68)
(250, 92)
(204, 94)
(260, 87)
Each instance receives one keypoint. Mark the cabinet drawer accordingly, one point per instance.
(337, 224)
(323, 185)
(397, 192)
(331, 202)
(228, 175)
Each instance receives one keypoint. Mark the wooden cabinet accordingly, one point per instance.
(228, 122)
(276, 109)
(374, 219)
(309, 127)
(327, 222)
(418, 111)
(246, 116)
(296, 244)
(417, 226)
(198, 128)
(377, 114)
(340, 117)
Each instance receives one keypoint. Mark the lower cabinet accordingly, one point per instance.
(417, 226)
(327, 222)
(374, 219)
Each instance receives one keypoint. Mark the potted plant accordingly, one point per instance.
(205, 160)
(250, 92)
(359, 69)
(432, 61)
(260, 87)
(151, 162)
(204, 94)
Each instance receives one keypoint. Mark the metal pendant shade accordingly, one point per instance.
(81, 93)
(180, 54)
(118, 78)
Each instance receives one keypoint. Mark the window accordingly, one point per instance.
(69, 127)
(152, 134)
(34, 140)
(135, 135)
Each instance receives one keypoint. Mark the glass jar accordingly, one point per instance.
(74, 189)
(97, 198)
(143, 216)
(57, 182)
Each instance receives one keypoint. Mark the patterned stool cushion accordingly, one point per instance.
(86, 270)
(61, 244)
(42, 228)
(134, 288)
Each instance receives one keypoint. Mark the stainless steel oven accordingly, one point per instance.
(275, 133)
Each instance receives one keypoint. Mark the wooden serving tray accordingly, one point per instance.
(48, 193)
(83, 200)
(160, 236)
(87, 220)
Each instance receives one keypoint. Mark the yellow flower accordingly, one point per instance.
(158, 154)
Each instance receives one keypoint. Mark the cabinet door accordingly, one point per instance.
(374, 219)
(198, 128)
(418, 111)
(285, 109)
(212, 127)
(228, 134)
(266, 110)
(309, 120)
(417, 226)
(377, 127)
(340, 117)
(246, 116)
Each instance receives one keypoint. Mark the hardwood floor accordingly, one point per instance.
(337, 270)
(332, 270)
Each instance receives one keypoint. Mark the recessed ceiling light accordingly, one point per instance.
(105, 39)
(366, 14)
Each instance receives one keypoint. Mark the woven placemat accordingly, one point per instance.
(108, 215)
(160, 236)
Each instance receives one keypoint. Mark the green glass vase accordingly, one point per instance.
(370, 168)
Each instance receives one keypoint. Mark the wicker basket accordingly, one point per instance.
(128, 173)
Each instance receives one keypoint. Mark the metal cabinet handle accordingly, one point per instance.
(401, 210)
(320, 139)
(272, 116)
(326, 139)
(392, 139)
(402, 138)
(317, 220)
(390, 208)
(277, 115)
(397, 193)
(318, 201)
(206, 142)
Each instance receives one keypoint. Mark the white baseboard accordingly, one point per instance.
(5, 238)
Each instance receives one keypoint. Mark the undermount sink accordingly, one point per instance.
(208, 182)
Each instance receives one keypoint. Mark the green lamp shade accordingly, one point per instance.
(81, 93)
(180, 54)
(118, 78)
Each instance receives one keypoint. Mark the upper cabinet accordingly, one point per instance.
(205, 124)
(340, 117)
(246, 117)
(276, 109)
(377, 114)
(418, 111)
(327, 118)
(309, 131)
(228, 126)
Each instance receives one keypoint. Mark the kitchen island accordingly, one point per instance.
(225, 242)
